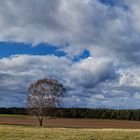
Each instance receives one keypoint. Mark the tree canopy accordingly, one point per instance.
(44, 94)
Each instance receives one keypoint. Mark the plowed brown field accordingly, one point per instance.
(75, 123)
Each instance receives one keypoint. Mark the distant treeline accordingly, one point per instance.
(13, 110)
(82, 113)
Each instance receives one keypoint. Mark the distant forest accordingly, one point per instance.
(81, 113)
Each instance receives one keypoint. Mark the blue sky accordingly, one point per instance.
(92, 47)
(12, 48)
(8, 49)
(109, 2)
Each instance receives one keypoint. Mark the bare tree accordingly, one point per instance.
(44, 94)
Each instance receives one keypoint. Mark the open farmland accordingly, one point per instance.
(72, 123)
(10, 132)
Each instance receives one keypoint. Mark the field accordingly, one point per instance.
(20, 127)
(69, 123)
(10, 132)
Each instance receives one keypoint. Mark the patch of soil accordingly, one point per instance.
(74, 123)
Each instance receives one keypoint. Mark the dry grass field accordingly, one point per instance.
(19, 127)
(14, 132)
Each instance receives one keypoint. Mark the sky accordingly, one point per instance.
(91, 46)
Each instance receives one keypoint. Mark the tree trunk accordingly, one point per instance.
(41, 121)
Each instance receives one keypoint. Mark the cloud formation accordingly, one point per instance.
(80, 24)
(19, 71)
(110, 31)
(89, 82)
